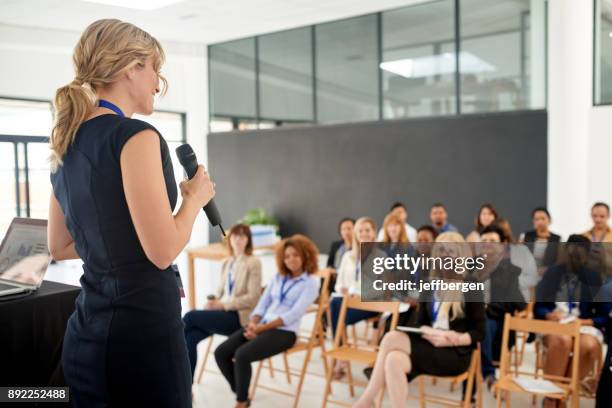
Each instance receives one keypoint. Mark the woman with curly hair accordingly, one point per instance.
(275, 320)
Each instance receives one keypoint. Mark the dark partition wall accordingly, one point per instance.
(310, 177)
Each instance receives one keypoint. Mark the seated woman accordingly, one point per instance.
(486, 216)
(542, 243)
(567, 291)
(395, 235)
(237, 294)
(348, 280)
(452, 325)
(276, 319)
(340, 247)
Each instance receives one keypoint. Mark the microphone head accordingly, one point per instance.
(185, 153)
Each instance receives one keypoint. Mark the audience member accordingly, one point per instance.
(276, 319)
(395, 235)
(237, 294)
(600, 231)
(486, 215)
(452, 324)
(349, 277)
(566, 292)
(439, 219)
(400, 210)
(520, 256)
(543, 244)
(502, 294)
(340, 247)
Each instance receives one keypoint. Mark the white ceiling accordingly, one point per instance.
(193, 21)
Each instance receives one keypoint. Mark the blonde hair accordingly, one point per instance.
(356, 242)
(395, 219)
(456, 307)
(106, 49)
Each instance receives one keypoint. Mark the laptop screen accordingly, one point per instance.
(24, 255)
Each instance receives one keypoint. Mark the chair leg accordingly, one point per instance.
(328, 380)
(256, 379)
(298, 391)
(498, 399)
(287, 371)
(467, 398)
(200, 371)
(349, 375)
(422, 391)
(271, 367)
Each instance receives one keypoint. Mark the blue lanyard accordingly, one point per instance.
(357, 270)
(230, 278)
(103, 103)
(283, 292)
(435, 308)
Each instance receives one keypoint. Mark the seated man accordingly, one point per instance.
(567, 291)
(502, 294)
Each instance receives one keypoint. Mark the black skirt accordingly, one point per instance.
(438, 361)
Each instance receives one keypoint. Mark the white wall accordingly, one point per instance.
(579, 139)
(35, 62)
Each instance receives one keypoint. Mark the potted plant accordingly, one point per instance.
(264, 227)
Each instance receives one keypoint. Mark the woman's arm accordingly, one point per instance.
(60, 242)
(162, 235)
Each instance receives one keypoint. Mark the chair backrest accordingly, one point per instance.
(544, 327)
(316, 333)
(354, 302)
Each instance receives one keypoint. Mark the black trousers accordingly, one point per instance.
(235, 355)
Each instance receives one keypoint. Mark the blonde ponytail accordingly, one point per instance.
(106, 49)
(73, 103)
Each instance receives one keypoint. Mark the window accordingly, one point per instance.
(502, 55)
(25, 188)
(286, 77)
(347, 70)
(25, 127)
(431, 58)
(603, 53)
(419, 60)
(232, 80)
(25, 118)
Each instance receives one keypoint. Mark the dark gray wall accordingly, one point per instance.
(310, 177)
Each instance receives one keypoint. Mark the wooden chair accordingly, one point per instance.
(368, 338)
(353, 353)
(314, 339)
(473, 376)
(521, 337)
(200, 370)
(592, 374)
(506, 384)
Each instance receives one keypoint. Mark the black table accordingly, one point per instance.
(32, 333)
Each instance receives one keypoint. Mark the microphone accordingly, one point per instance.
(188, 160)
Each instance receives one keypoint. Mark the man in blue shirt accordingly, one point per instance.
(439, 219)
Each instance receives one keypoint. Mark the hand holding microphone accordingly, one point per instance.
(203, 189)
(200, 188)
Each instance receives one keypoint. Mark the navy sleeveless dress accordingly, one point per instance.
(124, 344)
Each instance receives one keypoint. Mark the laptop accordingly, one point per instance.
(24, 256)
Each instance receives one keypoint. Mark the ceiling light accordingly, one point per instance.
(436, 65)
(610, 34)
(136, 4)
